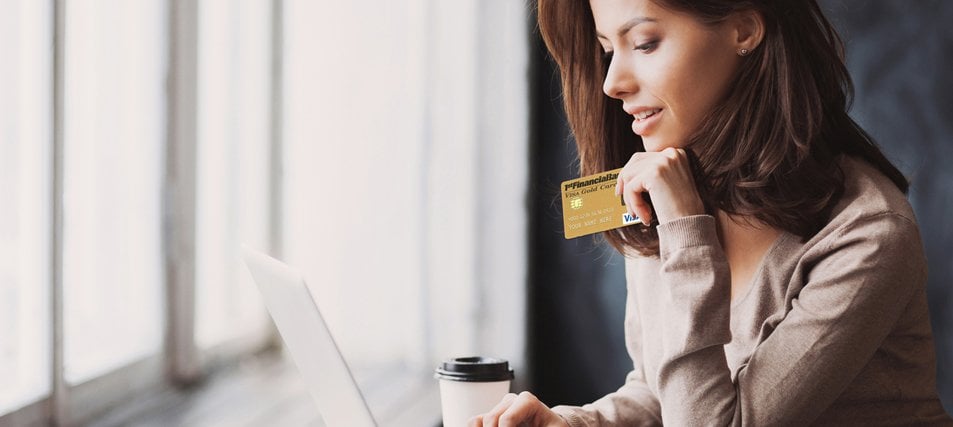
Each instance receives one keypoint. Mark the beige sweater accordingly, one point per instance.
(831, 331)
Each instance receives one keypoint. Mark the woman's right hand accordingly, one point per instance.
(519, 410)
(667, 177)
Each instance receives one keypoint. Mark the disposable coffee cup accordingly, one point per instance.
(471, 386)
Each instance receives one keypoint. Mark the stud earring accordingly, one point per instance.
(743, 52)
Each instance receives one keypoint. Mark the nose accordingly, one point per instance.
(620, 80)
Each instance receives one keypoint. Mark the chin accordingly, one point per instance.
(653, 145)
(656, 144)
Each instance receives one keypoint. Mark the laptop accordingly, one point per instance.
(309, 341)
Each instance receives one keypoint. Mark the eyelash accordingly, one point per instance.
(644, 48)
(647, 47)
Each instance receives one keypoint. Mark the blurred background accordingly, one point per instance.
(404, 155)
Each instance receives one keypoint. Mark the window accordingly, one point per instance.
(113, 134)
(405, 155)
(355, 179)
(233, 173)
(25, 355)
(156, 136)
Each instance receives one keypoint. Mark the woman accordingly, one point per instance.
(779, 277)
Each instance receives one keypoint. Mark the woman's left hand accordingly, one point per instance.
(519, 410)
(667, 177)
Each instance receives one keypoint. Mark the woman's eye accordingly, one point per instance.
(647, 47)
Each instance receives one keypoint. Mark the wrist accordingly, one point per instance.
(687, 210)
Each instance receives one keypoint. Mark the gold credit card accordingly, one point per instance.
(590, 205)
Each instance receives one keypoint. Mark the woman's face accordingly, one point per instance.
(669, 69)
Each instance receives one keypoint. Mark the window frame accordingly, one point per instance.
(179, 362)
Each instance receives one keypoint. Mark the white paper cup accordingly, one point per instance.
(471, 386)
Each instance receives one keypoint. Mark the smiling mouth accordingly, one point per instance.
(646, 114)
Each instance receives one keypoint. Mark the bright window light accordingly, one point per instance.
(355, 174)
(25, 122)
(233, 176)
(115, 71)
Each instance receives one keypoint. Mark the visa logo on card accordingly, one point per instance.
(628, 218)
(590, 205)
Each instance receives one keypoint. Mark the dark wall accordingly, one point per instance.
(898, 53)
(577, 287)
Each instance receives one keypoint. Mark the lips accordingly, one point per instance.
(645, 119)
(644, 114)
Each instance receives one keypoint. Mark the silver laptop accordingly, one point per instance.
(309, 341)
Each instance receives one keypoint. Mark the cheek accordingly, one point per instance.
(696, 82)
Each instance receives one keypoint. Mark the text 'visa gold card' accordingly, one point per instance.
(590, 205)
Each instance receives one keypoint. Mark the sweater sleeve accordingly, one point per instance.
(852, 298)
(633, 404)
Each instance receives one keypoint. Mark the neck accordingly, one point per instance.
(740, 235)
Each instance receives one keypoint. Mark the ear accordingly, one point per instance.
(748, 29)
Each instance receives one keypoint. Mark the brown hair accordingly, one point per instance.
(769, 149)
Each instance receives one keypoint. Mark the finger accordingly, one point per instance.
(525, 408)
(476, 421)
(635, 202)
(628, 196)
(490, 419)
(625, 173)
(643, 210)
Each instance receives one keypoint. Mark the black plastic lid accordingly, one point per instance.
(474, 369)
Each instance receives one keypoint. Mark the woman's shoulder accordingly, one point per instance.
(873, 219)
(868, 194)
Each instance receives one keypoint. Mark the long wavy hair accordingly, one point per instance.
(769, 149)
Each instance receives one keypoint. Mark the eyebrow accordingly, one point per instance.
(629, 25)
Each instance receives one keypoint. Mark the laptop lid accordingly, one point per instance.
(309, 341)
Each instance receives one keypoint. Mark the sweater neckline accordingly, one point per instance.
(768, 255)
